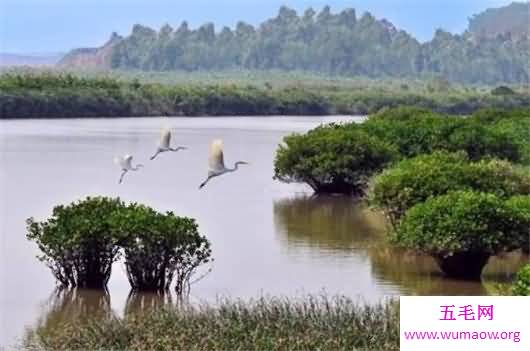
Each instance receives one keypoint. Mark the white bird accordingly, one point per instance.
(125, 162)
(216, 164)
(164, 144)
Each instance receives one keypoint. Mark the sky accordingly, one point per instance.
(51, 26)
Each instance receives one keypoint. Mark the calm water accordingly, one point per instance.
(268, 238)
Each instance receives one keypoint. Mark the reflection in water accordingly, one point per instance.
(419, 274)
(340, 224)
(138, 302)
(329, 222)
(72, 306)
(76, 304)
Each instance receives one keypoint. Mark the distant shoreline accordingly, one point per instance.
(33, 95)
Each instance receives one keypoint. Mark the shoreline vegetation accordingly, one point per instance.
(309, 323)
(63, 94)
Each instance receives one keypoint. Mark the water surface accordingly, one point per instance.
(268, 238)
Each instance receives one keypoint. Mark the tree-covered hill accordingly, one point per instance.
(337, 44)
(512, 20)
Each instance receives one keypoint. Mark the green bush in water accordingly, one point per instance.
(160, 248)
(417, 131)
(77, 241)
(412, 181)
(462, 230)
(521, 287)
(332, 159)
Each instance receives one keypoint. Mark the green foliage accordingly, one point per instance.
(464, 221)
(332, 159)
(80, 242)
(310, 323)
(509, 124)
(414, 180)
(480, 141)
(159, 247)
(417, 131)
(77, 241)
(521, 287)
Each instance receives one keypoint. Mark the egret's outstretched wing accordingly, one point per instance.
(165, 138)
(216, 161)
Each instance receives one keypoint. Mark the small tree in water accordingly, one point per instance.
(159, 248)
(77, 241)
(463, 229)
(332, 159)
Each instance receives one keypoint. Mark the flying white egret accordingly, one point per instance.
(125, 162)
(216, 164)
(164, 144)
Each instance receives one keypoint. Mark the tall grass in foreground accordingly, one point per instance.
(312, 323)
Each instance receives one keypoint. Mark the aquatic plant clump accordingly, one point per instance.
(312, 323)
(332, 159)
(77, 242)
(463, 229)
(417, 131)
(414, 180)
(160, 248)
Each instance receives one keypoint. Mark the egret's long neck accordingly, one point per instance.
(236, 165)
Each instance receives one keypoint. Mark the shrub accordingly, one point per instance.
(462, 229)
(521, 287)
(412, 181)
(332, 159)
(159, 247)
(513, 124)
(77, 241)
(416, 131)
(480, 141)
(413, 131)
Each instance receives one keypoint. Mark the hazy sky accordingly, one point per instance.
(35, 26)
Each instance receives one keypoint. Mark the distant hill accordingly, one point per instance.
(7, 59)
(513, 20)
(91, 57)
(336, 44)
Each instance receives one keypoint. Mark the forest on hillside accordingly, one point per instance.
(338, 44)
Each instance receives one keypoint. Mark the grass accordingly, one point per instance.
(311, 323)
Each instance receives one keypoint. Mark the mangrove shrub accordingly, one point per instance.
(417, 131)
(462, 230)
(412, 181)
(77, 241)
(332, 159)
(160, 247)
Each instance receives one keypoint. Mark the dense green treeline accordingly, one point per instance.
(336, 44)
(53, 94)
